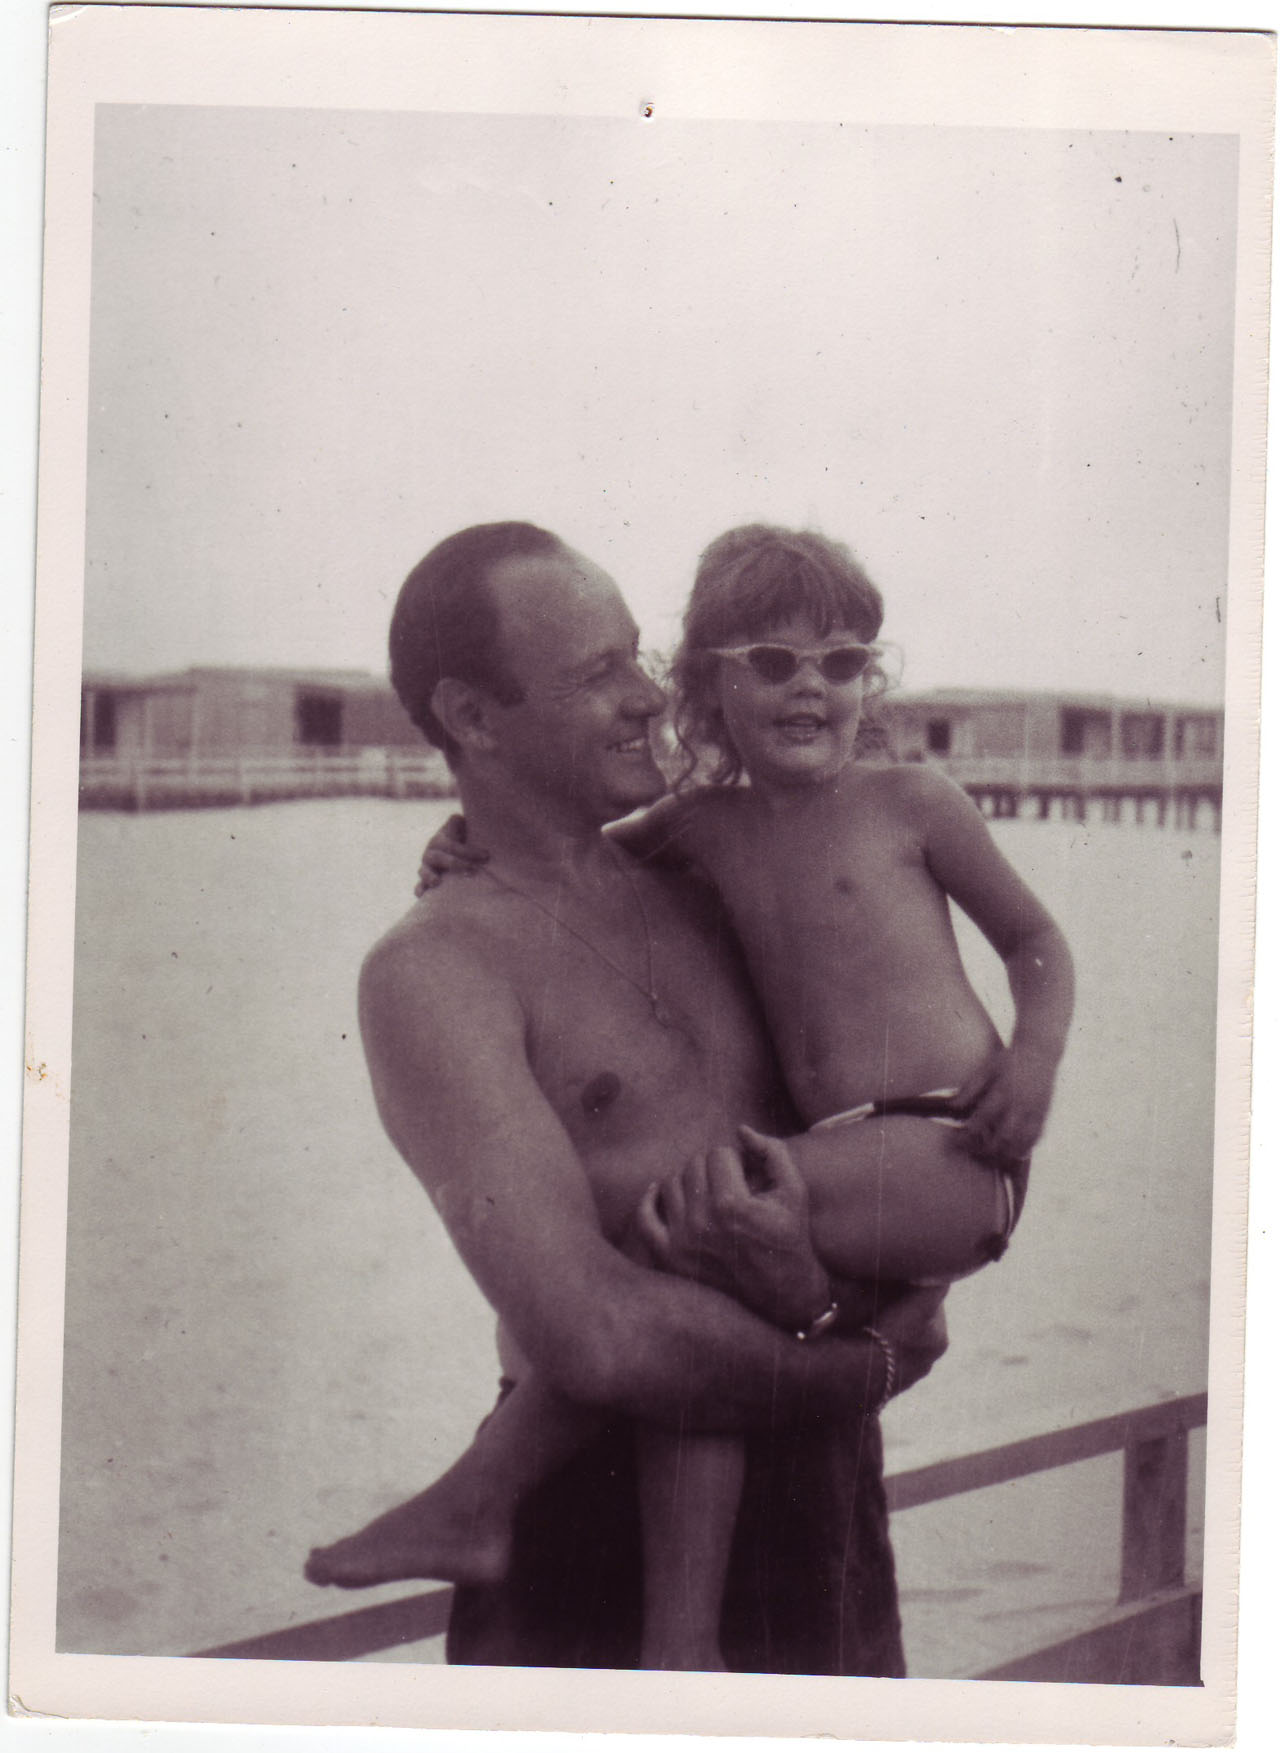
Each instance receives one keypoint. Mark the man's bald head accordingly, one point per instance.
(447, 623)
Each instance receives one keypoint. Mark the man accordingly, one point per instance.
(545, 1043)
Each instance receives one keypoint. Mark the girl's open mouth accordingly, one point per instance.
(802, 727)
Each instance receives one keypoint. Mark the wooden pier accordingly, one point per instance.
(1181, 794)
(1067, 756)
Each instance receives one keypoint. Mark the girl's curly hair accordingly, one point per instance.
(748, 581)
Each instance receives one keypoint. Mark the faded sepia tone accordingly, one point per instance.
(999, 363)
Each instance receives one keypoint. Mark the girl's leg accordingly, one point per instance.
(689, 1492)
(899, 1198)
(460, 1529)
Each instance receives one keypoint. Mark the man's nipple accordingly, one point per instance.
(602, 1092)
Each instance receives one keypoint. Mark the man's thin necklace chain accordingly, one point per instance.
(661, 1014)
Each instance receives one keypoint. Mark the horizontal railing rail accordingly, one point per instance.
(1124, 774)
(1151, 1638)
(147, 781)
(1054, 1448)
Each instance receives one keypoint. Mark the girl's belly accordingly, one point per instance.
(845, 1055)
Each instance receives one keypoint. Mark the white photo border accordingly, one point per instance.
(350, 60)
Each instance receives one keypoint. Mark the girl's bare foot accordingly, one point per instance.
(425, 1537)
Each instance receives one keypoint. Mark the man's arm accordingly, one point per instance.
(708, 1223)
(445, 1040)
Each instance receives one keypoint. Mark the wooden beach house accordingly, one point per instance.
(227, 735)
(1065, 754)
(242, 735)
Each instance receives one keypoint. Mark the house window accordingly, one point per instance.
(319, 720)
(1142, 736)
(1085, 732)
(104, 721)
(937, 736)
(1195, 739)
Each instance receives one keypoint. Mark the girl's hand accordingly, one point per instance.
(448, 853)
(1011, 1092)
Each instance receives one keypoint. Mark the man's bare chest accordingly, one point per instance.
(644, 1040)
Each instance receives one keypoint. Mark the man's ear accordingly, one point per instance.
(464, 711)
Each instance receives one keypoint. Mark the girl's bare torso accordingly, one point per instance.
(849, 939)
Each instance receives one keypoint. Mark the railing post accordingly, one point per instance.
(1153, 1554)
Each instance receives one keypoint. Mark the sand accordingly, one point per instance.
(269, 1337)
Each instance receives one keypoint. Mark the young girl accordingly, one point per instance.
(837, 875)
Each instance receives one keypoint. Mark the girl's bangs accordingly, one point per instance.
(782, 587)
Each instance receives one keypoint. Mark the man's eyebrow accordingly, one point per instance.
(605, 654)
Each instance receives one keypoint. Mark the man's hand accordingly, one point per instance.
(1011, 1091)
(708, 1222)
(916, 1326)
(448, 853)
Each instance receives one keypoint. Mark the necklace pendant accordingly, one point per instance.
(661, 1015)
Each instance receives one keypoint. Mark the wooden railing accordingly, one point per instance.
(1074, 773)
(1152, 1637)
(142, 782)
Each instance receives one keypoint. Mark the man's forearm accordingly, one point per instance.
(673, 1352)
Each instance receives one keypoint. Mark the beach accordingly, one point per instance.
(269, 1337)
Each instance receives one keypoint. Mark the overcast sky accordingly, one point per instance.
(997, 363)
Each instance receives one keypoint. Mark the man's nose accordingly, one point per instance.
(646, 699)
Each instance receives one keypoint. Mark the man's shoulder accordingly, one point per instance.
(450, 934)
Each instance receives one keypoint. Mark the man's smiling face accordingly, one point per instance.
(581, 733)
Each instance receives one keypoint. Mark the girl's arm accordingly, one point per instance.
(448, 853)
(1012, 1091)
(662, 834)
